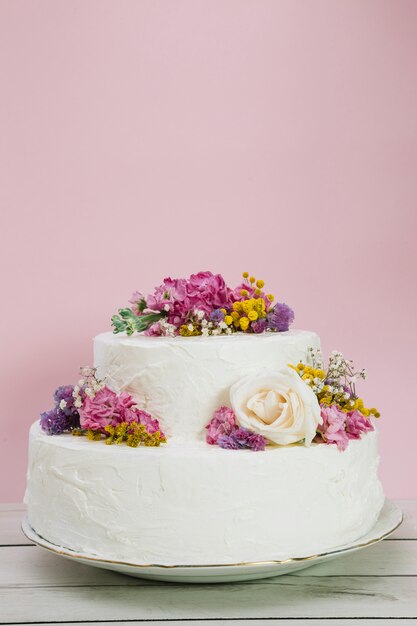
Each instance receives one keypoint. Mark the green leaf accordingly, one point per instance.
(128, 322)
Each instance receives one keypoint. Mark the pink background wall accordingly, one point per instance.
(145, 138)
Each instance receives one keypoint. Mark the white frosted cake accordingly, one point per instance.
(241, 447)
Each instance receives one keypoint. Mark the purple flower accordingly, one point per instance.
(242, 438)
(228, 442)
(222, 423)
(247, 439)
(64, 399)
(55, 422)
(356, 424)
(333, 428)
(217, 315)
(64, 416)
(260, 325)
(280, 317)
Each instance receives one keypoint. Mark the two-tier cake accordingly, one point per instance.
(232, 441)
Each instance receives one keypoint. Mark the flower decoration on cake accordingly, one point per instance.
(298, 404)
(204, 305)
(92, 409)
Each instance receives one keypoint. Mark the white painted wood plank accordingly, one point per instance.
(26, 566)
(261, 622)
(290, 596)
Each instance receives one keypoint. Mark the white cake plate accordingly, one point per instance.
(389, 520)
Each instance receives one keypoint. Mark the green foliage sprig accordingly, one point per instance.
(128, 322)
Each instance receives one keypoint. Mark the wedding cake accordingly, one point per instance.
(228, 440)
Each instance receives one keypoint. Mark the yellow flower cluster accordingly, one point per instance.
(245, 312)
(257, 285)
(186, 331)
(133, 434)
(308, 373)
(327, 396)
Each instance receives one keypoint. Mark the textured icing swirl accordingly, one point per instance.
(198, 504)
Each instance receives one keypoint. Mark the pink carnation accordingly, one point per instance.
(222, 423)
(356, 424)
(101, 410)
(151, 424)
(333, 427)
(107, 408)
(154, 330)
(207, 291)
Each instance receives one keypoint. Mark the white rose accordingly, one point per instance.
(278, 405)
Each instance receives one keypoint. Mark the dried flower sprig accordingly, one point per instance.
(336, 384)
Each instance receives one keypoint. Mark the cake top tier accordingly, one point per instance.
(181, 381)
(204, 304)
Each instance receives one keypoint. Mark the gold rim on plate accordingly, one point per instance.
(32, 535)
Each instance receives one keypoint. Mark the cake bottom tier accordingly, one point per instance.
(194, 504)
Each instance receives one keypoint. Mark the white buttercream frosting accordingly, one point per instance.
(182, 380)
(199, 504)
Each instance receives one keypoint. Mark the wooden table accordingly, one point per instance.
(372, 586)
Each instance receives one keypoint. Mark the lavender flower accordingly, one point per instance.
(228, 442)
(217, 315)
(259, 326)
(55, 422)
(242, 438)
(64, 416)
(64, 399)
(280, 317)
(248, 439)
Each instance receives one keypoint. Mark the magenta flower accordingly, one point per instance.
(247, 439)
(137, 301)
(259, 326)
(100, 411)
(151, 424)
(333, 428)
(107, 408)
(222, 423)
(356, 424)
(207, 291)
(172, 290)
(154, 330)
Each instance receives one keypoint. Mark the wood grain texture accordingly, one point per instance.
(26, 564)
(375, 585)
(288, 596)
(260, 622)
